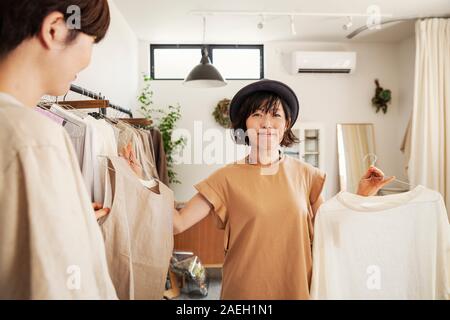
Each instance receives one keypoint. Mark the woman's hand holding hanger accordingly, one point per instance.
(128, 154)
(100, 212)
(372, 181)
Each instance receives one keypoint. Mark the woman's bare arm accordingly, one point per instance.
(195, 210)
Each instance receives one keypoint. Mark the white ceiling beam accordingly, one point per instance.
(285, 13)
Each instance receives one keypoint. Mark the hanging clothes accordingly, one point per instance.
(76, 129)
(160, 155)
(382, 247)
(103, 145)
(148, 137)
(131, 135)
(138, 233)
(50, 243)
(148, 150)
(93, 141)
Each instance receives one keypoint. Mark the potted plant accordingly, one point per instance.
(382, 97)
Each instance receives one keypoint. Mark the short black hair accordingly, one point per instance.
(22, 19)
(265, 101)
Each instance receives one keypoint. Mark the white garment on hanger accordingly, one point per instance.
(93, 140)
(382, 247)
(87, 146)
(103, 144)
(76, 129)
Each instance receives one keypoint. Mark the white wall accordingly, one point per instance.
(329, 99)
(113, 71)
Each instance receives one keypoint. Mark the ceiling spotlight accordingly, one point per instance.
(349, 24)
(293, 26)
(260, 25)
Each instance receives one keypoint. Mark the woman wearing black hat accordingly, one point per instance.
(267, 202)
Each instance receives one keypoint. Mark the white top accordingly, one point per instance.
(103, 145)
(76, 130)
(94, 140)
(51, 246)
(382, 247)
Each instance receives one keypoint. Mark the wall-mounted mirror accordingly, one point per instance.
(355, 142)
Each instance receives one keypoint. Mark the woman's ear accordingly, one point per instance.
(54, 31)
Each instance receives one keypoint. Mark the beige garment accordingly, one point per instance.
(160, 155)
(127, 135)
(148, 151)
(50, 244)
(138, 234)
(150, 142)
(268, 222)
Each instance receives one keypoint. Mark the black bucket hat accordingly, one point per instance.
(277, 87)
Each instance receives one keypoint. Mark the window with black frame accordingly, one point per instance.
(234, 62)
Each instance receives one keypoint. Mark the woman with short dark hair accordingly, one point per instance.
(267, 202)
(50, 244)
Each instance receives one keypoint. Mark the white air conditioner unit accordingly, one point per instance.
(323, 62)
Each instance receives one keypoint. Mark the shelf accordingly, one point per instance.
(310, 145)
(292, 152)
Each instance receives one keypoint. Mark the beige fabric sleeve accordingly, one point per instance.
(213, 190)
(48, 230)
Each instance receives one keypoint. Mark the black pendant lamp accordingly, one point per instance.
(204, 75)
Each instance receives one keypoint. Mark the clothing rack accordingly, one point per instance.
(95, 96)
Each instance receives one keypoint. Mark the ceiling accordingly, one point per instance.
(171, 21)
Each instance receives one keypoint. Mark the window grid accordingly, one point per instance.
(210, 48)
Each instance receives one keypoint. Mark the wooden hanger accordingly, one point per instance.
(137, 121)
(87, 104)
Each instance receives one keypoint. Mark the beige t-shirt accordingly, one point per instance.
(268, 219)
(51, 246)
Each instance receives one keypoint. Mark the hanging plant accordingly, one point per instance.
(221, 113)
(382, 97)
